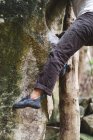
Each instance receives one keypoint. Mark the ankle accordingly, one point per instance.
(36, 93)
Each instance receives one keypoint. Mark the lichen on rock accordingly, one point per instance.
(24, 49)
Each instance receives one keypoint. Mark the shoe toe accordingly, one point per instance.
(19, 105)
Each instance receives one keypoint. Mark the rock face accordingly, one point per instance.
(84, 101)
(87, 124)
(82, 111)
(90, 111)
(23, 50)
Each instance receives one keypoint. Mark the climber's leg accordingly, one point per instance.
(74, 38)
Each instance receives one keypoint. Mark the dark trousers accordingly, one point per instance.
(80, 33)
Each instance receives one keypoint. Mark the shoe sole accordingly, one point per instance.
(21, 107)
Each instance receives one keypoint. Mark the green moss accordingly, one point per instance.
(14, 45)
(10, 51)
(17, 36)
(86, 137)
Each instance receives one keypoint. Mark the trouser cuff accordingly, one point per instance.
(44, 88)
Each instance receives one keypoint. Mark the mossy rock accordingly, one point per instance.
(86, 137)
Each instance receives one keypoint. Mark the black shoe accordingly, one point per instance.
(28, 102)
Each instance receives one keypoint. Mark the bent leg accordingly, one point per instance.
(73, 39)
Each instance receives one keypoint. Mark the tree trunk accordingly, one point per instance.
(68, 95)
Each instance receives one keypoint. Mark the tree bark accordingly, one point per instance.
(68, 94)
